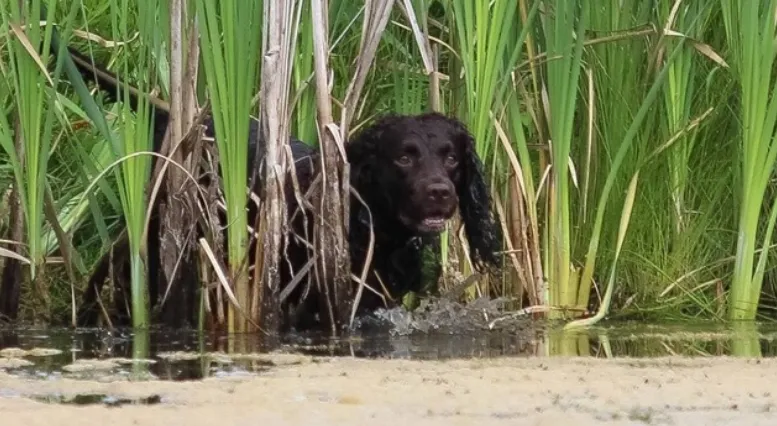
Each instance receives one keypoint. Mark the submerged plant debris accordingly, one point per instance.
(96, 399)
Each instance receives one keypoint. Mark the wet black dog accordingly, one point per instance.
(413, 173)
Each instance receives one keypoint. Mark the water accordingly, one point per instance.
(104, 367)
(179, 355)
(439, 330)
(187, 355)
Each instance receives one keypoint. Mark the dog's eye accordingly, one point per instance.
(451, 161)
(404, 161)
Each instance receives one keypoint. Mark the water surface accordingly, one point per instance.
(49, 353)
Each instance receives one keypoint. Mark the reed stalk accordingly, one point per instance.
(750, 32)
(230, 45)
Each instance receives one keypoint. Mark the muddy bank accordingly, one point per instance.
(348, 391)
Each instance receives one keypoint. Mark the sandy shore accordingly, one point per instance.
(345, 391)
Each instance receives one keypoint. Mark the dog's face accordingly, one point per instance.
(414, 171)
(418, 167)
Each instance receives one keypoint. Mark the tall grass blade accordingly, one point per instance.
(28, 145)
(230, 37)
(622, 230)
(135, 136)
(562, 87)
(617, 162)
(750, 31)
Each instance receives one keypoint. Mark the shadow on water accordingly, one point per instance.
(188, 355)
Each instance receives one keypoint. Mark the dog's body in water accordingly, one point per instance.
(413, 172)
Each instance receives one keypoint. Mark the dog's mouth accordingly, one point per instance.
(433, 224)
(428, 225)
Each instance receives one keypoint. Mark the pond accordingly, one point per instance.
(528, 372)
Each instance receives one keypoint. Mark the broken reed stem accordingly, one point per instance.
(279, 40)
(334, 259)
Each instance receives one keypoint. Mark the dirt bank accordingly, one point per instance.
(536, 391)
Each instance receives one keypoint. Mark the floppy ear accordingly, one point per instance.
(480, 225)
(360, 153)
(362, 150)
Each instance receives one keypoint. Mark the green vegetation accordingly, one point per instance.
(230, 45)
(630, 145)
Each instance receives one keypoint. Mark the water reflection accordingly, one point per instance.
(185, 354)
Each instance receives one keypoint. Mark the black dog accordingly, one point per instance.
(413, 172)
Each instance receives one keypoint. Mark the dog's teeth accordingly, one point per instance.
(434, 221)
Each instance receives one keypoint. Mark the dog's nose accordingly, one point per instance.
(439, 191)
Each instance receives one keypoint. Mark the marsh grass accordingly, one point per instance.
(628, 145)
(750, 31)
(28, 141)
(230, 38)
(136, 136)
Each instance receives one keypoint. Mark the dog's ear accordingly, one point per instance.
(484, 234)
(362, 150)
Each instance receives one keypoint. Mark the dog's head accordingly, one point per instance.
(416, 170)
(411, 169)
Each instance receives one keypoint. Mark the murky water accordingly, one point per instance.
(180, 355)
(110, 368)
(187, 354)
(440, 330)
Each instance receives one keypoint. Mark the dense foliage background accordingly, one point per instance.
(630, 143)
